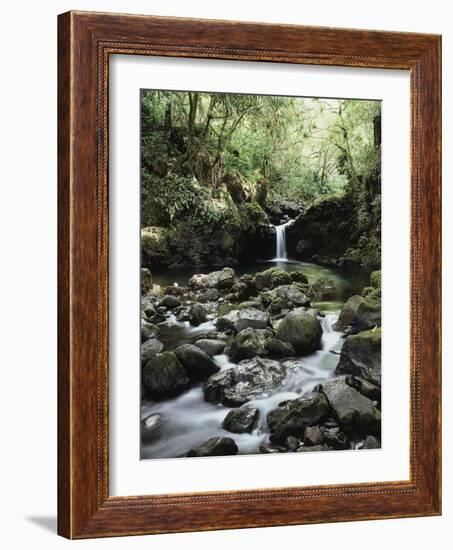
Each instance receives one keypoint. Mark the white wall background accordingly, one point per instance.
(28, 125)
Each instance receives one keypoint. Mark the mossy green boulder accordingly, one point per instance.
(302, 330)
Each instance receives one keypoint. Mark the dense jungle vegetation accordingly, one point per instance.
(219, 169)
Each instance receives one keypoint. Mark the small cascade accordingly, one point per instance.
(280, 242)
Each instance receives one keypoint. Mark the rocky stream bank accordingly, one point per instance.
(247, 364)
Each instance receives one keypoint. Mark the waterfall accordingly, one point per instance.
(280, 241)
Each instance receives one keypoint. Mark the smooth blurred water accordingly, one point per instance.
(189, 420)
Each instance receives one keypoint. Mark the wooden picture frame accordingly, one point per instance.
(85, 41)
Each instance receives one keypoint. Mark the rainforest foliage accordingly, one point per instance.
(215, 162)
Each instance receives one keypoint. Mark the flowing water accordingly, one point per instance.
(189, 420)
(280, 241)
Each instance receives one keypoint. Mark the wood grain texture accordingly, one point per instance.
(85, 42)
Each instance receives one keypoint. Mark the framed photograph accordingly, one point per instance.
(249, 275)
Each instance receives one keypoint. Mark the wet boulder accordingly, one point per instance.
(197, 315)
(211, 346)
(254, 304)
(248, 343)
(170, 302)
(298, 277)
(198, 364)
(209, 295)
(294, 416)
(292, 293)
(147, 306)
(359, 313)
(334, 437)
(361, 356)
(251, 342)
(245, 288)
(302, 330)
(250, 379)
(313, 436)
(371, 442)
(364, 387)
(221, 280)
(150, 427)
(375, 280)
(271, 278)
(149, 349)
(278, 349)
(146, 280)
(241, 420)
(245, 318)
(164, 376)
(148, 330)
(278, 304)
(216, 446)
(355, 413)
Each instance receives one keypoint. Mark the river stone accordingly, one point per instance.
(149, 349)
(292, 294)
(298, 277)
(147, 306)
(146, 280)
(250, 379)
(334, 437)
(361, 356)
(313, 436)
(223, 279)
(197, 315)
(364, 387)
(245, 318)
(198, 364)
(164, 376)
(277, 305)
(292, 443)
(355, 413)
(371, 442)
(271, 278)
(211, 346)
(209, 295)
(375, 279)
(248, 343)
(148, 330)
(278, 349)
(241, 420)
(294, 416)
(175, 290)
(170, 301)
(245, 288)
(216, 446)
(359, 313)
(302, 330)
(251, 304)
(151, 425)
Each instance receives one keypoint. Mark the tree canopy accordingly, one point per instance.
(212, 160)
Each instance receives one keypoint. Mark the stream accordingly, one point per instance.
(188, 419)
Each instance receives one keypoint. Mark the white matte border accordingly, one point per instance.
(128, 474)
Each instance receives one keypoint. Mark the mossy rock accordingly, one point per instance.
(298, 277)
(360, 313)
(302, 330)
(361, 356)
(375, 279)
